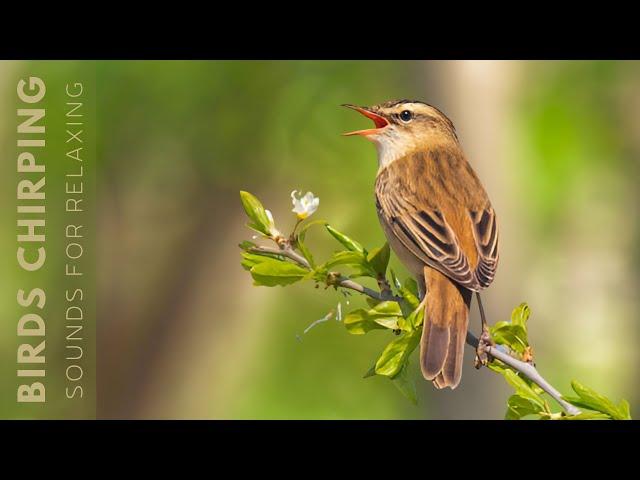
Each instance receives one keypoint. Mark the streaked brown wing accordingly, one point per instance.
(485, 233)
(426, 233)
(435, 205)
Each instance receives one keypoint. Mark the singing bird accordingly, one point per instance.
(438, 220)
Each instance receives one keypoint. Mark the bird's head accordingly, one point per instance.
(402, 126)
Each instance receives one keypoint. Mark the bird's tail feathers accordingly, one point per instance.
(445, 328)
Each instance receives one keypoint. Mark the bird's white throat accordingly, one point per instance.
(391, 146)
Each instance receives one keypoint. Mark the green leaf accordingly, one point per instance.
(396, 354)
(518, 407)
(270, 270)
(371, 372)
(273, 272)
(355, 260)
(406, 385)
(409, 292)
(307, 225)
(379, 259)
(593, 400)
(359, 272)
(412, 321)
(523, 389)
(387, 308)
(578, 402)
(301, 239)
(304, 250)
(387, 314)
(624, 409)
(362, 321)
(394, 279)
(417, 317)
(348, 243)
(497, 326)
(346, 257)
(411, 286)
(372, 302)
(514, 336)
(390, 323)
(251, 259)
(520, 315)
(587, 416)
(534, 386)
(255, 211)
(497, 366)
(246, 245)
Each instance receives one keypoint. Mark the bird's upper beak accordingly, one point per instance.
(379, 121)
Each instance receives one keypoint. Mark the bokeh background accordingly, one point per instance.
(182, 333)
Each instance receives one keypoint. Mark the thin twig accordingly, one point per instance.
(285, 252)
(518, 365)
(382, 296)
(288, 252)
(326, 318)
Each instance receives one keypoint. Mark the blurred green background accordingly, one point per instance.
(182, 333)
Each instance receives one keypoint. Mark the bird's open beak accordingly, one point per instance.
(379, 121)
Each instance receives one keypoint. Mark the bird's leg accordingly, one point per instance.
(482, 358)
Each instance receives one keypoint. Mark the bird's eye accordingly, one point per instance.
(406, 116)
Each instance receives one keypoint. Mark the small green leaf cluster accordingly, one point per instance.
(601, 408)
(272, 269)
(402, 316)
(398, 310)
(514, 333)
(529, 399)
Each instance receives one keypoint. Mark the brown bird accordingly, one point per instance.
(438, 220)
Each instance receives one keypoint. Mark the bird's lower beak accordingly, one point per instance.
(379, 121)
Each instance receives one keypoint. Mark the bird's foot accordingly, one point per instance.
(482, 357)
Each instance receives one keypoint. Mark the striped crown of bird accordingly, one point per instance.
(438, 220)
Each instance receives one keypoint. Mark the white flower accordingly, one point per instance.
(304, 206)
(273, 231)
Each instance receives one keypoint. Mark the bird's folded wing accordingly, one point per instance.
(426, 233)
(485, 233)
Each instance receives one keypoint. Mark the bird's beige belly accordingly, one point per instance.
(408, 259)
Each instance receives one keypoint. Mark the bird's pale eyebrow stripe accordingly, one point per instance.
(424, 116)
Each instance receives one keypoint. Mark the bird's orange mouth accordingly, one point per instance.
(378, 120)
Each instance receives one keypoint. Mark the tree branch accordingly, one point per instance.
(518, 365)
(526, 369)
